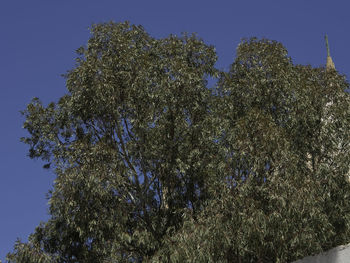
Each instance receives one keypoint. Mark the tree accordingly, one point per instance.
(287, 141)
(152, 165)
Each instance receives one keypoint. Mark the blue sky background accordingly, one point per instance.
(38, 40)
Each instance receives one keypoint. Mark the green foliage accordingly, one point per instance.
(152, 165)
(285, 133)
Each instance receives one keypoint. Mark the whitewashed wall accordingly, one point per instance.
(339, 254)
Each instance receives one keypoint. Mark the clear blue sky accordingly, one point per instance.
(38, 40)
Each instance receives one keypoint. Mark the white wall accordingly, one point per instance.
(339, 254)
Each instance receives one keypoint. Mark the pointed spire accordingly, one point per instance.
(330, 65)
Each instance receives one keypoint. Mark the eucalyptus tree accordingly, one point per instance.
(129, 144)
(152, 165)
(284, 190)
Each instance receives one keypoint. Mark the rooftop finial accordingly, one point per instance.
(330, 64)
(328, 53)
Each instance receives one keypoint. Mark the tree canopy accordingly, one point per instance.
(154, 165)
